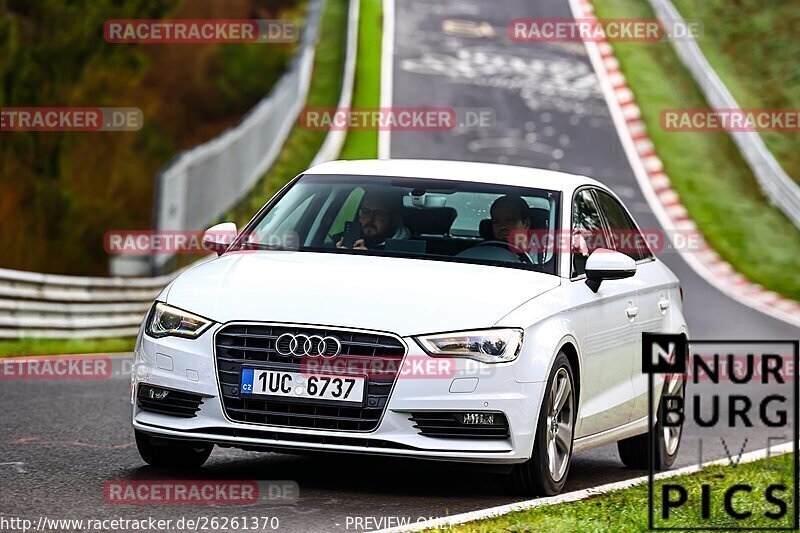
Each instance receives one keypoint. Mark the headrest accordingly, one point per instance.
(429, 220)
(540, 219)
(485, 229)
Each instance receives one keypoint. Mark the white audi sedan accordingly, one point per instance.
(432, 309)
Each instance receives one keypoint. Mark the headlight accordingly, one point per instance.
(487, 345)
(168, 321)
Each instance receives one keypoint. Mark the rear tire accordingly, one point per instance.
(545, 473)
(666, 441)
(175, 454)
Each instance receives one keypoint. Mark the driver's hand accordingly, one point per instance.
(358, 245)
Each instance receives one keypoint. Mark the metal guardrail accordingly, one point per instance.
(781, 190)
(200, 185)
(51, 306)
(334, 141)
(54, 306)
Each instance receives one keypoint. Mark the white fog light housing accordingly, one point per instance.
(487, 346)
(167, 321)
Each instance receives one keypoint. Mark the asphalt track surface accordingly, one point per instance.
(63, 440)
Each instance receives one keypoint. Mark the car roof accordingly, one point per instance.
(458, 170)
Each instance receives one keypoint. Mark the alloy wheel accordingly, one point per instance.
(560, 419)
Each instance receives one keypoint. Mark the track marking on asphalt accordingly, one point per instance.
(459, 9)
(578, 495)
(563, 84)
(17, 466)
(513, 146)
(467, 28)
(36, 440)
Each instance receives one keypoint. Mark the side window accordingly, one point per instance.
(587, 230)
(624, 235)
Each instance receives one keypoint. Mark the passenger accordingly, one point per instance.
(509, 213)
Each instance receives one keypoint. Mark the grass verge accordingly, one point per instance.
(64, 346)
(363, 144)
(753, 47)
(706, 169)
(627, 509)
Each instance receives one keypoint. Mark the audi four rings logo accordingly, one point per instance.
(310, 345)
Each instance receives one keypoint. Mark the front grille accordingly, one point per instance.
(253, 346)
(444, 425)
(175, 403)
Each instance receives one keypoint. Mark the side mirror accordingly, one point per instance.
(218, 238)
(605, 264)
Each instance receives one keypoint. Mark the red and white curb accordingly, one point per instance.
(657, 187)
(493, 512)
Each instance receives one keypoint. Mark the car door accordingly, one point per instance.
(609, 342)
(652, 293)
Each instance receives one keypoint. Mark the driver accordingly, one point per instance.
(509, 213)
(380, 219)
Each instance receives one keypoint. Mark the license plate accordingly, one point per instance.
(296, 385)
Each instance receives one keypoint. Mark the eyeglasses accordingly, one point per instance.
(365, 212)
(509, 220)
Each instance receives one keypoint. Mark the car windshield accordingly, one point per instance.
(407, 217)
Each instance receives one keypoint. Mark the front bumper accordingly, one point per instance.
(188, 365)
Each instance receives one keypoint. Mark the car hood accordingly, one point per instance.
(399, 295)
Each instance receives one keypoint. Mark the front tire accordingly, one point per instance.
(174, 454)
(545, 473)
(666, 440)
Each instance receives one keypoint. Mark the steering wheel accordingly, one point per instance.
(522, 254)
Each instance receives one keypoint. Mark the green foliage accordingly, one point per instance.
(363, 144)
(754, 47)
(237, 71)
(60, 192)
